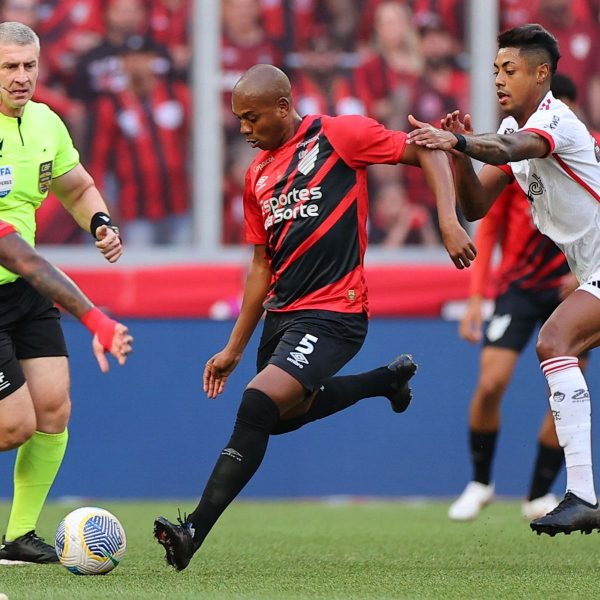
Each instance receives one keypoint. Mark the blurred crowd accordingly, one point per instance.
(118, 71)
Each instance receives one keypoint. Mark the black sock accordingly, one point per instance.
(547, 466)
(238, 461)
(483, 446)
(338, 393)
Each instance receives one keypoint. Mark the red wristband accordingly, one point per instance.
(98, 323)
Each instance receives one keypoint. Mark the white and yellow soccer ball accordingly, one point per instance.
(90, 541)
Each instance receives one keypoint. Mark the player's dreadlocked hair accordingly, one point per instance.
(532, 39)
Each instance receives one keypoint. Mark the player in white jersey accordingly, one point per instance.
(557, 163)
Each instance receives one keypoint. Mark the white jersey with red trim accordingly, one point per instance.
(564, 187)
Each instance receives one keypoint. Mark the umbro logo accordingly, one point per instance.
(232, 454)
(298, 356)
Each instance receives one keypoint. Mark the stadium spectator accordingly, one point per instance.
(341, 19)
(288, 24)
(442, 87)
(244, 43)
(37, 156)
(170, 24)
(321, 84)
(240, 155)
(564, 89)
(552, 156)
(518, 12)
(305, 205)
(579, 43)
(452, 13)
(385, 81)
(100, 70)
(68, 29)
(396, 222)
(140, 135)
(532, 278)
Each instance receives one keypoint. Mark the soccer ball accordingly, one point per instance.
(90, 541)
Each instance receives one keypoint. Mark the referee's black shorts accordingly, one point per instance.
(29, 328)
(310, 345)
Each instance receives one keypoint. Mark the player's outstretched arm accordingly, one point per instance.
(475, 192)
(436, 169)
(491, 148)
(80, 196)
(109, 336)
(218, 368)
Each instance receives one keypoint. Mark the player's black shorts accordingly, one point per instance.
(29, 328)
(517, 313)
(310, 345)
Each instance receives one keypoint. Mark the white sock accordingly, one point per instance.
(571, 407)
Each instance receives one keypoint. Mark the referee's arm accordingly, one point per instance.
(79, 195)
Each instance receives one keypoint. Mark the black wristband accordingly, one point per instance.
(461, 142)
(98, 220)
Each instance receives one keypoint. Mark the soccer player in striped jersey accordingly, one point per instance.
(556, 161)
(306, 209)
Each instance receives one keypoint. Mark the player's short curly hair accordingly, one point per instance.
(532, 39)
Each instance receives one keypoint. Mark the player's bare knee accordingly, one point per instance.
(16, 433)
(53, 417)
(489, 392)
(551, 343)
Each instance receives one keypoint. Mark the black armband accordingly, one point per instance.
(461, 142)
(100, 219)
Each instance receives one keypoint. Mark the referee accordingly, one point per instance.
(36, 156)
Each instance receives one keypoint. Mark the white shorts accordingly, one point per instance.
(592, 285)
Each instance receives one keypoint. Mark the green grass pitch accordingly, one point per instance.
(293, 550)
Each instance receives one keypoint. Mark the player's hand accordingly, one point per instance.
(108, 241)
(568, 285)
(470, 327)
(451, 122)
(121, 347)
(458, 244)
(217, 370)
(426, 135)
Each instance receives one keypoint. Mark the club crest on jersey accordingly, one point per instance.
(45, 176)
(308, 158)
(545, 105)
(6, 180)
(260, 184)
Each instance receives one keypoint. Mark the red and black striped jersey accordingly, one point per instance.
(143, 141)
(307, 202)
(530, 260)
